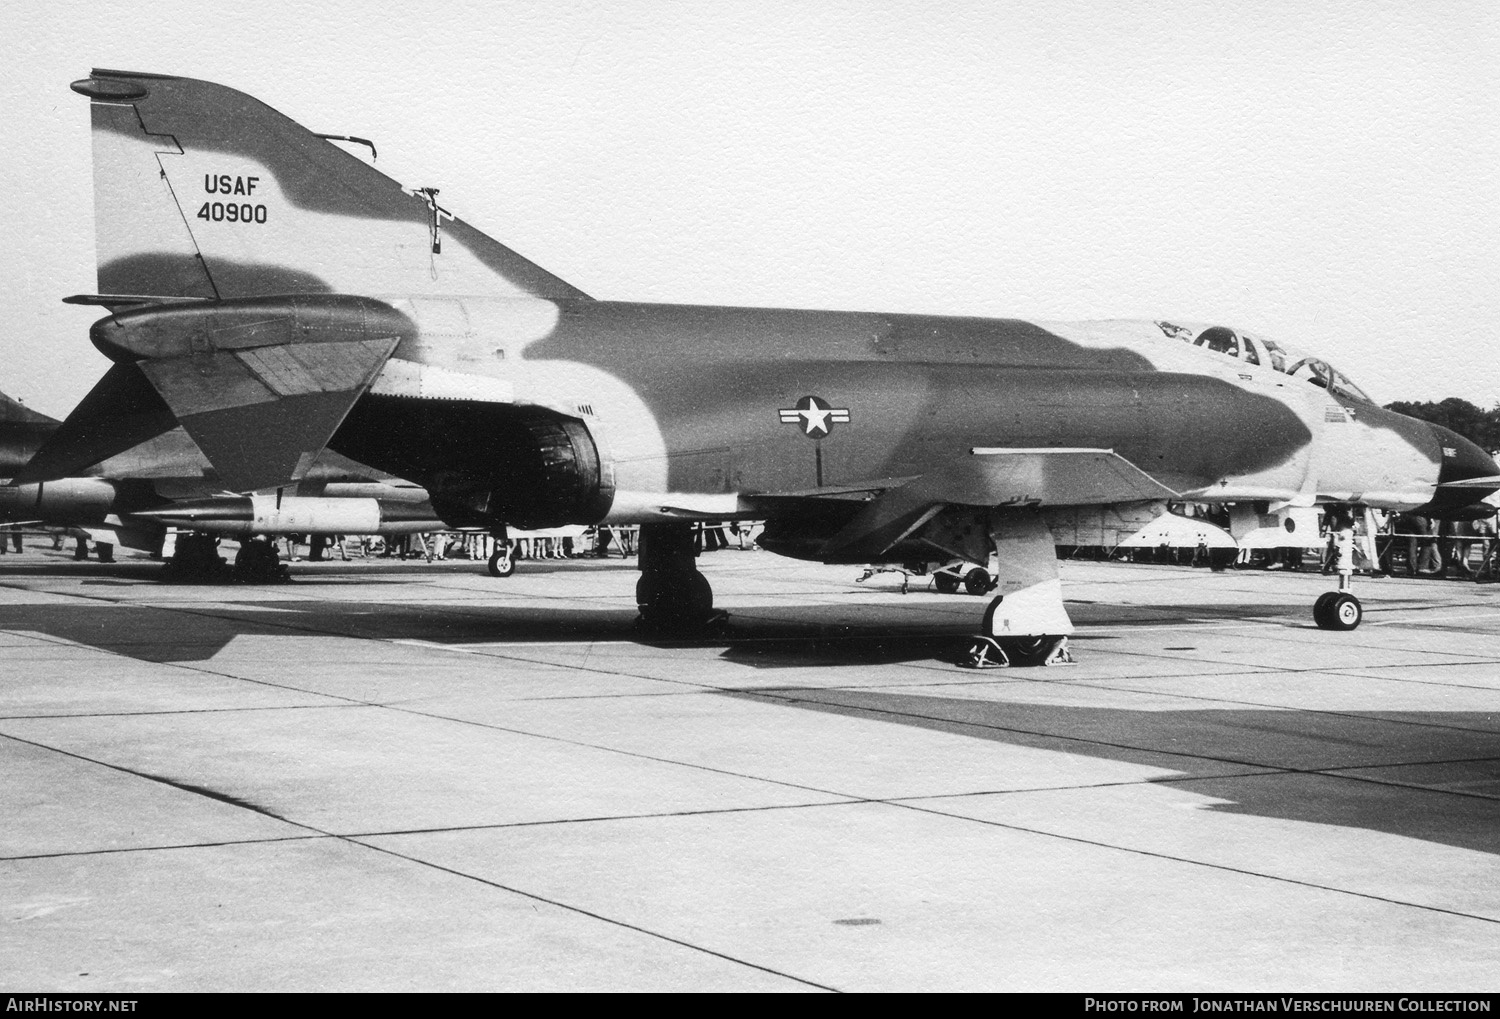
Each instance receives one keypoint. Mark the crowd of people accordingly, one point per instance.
(557, 543)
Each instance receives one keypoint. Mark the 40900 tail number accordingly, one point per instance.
(232, 212)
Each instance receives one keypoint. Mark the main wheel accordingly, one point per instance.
(1338, 610)
(674, 601)
(946, 583)
(1029, 650)
(1344, 611)
(502, 563)
(1320, 610)
(977, 581)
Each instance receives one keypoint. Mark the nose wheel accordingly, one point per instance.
(1337, 610)
(502, 563)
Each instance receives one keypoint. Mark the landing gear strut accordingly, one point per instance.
(672, 595)
(1027, 625)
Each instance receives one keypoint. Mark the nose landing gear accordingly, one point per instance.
(1340, 610)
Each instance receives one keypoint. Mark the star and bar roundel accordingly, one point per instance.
(816, 416)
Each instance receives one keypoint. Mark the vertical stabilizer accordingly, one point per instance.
(204, 192)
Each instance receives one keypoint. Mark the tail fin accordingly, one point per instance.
(16, 412)
(204, 192)
(22, 432)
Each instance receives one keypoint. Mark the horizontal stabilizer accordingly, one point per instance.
(1490, 482)
(122, 411)
(997, 477)
(262, 415)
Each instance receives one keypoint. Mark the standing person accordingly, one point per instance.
(1457, 550)
(1430, 554)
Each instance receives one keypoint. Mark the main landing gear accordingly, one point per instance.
(258, 562)
(1027, 625)
(196, 560)
(673, 597)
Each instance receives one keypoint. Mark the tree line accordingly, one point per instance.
(1481, 427)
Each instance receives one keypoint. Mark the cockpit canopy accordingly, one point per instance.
(1258, 351)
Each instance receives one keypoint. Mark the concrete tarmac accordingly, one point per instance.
(411, 776)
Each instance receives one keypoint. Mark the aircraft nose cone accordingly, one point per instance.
(1462, 461)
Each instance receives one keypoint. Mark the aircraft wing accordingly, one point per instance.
(1042, 476)
(996, 477)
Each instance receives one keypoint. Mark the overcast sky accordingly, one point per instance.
(1325, 175)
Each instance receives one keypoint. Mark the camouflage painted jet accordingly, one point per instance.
(276, 295)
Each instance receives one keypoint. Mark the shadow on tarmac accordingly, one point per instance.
(1443, 748)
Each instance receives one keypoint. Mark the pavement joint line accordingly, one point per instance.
(185, 711)
(607, 818)
(1342, 671)
(1331, 712)
(1341, 773)
(115, 851)
(317, 834)
(1349, 673)
(1428, 621)
(1332, 889)
(1074, 787)
(628, 753)
(591, 914)
(1291, 670)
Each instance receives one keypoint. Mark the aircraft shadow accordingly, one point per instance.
(1201, 742)
(158, 634)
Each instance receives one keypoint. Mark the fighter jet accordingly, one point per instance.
(277, 294)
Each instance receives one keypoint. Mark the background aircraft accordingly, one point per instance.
(132, 499)
(275, 295)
